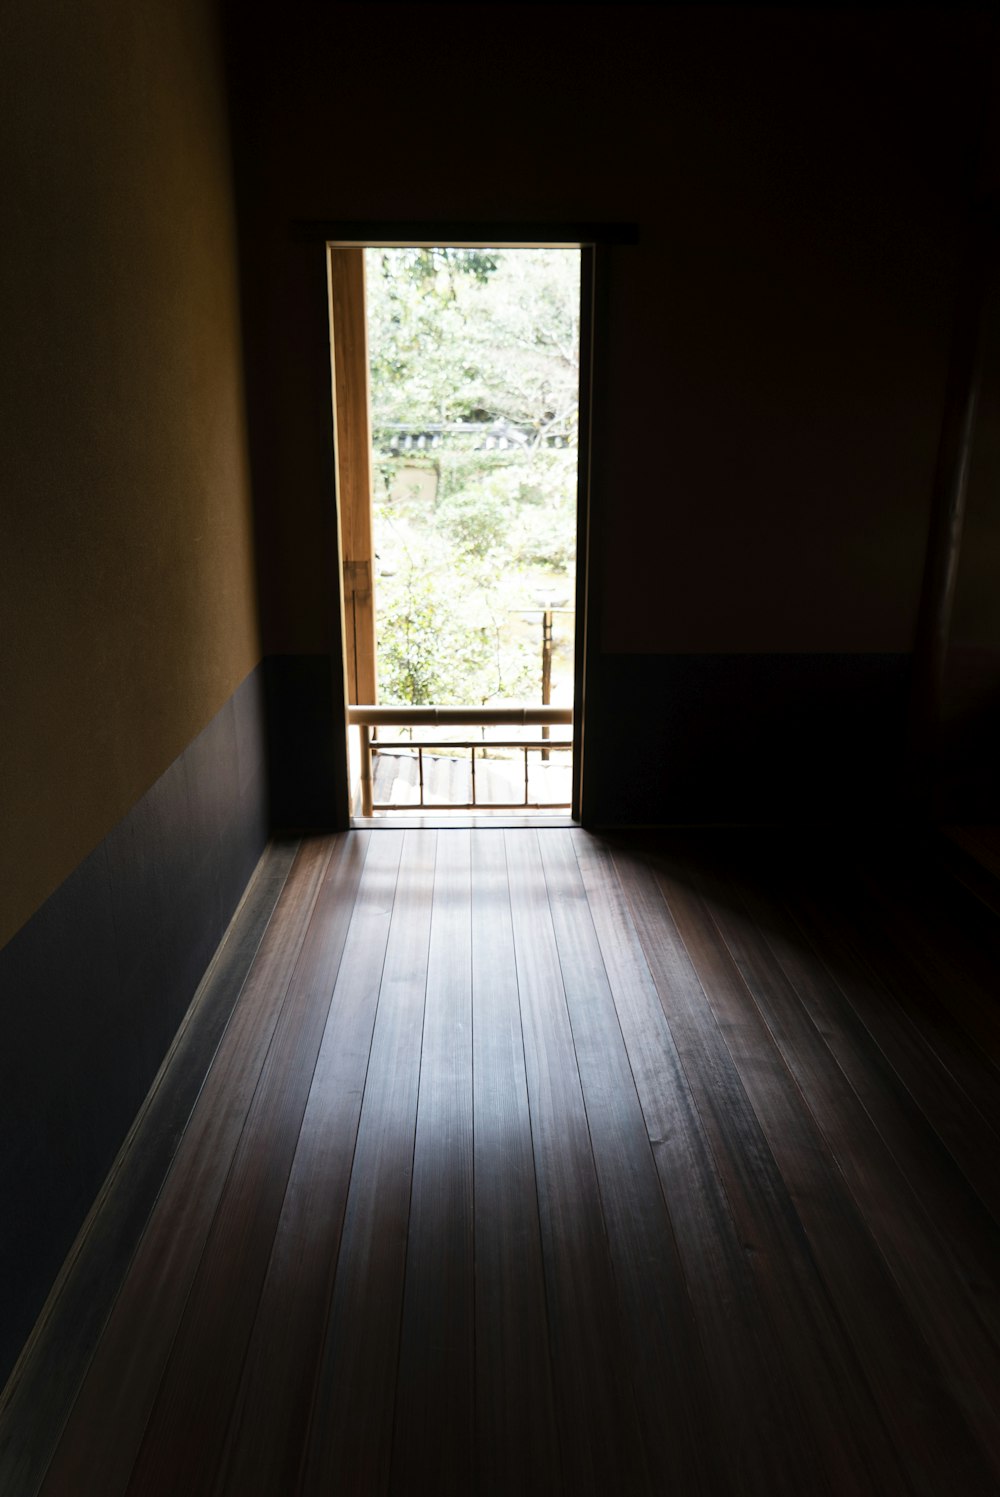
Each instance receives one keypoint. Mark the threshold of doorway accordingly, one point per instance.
(442, 821)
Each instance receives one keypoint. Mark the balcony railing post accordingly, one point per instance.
(367, 797)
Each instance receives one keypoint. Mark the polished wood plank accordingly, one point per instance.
(350, 1439)
(433, 1441)
(914, 1389)
(932, 995)
(267, 1431)
(601, 1445)
(107, 1421)
(952, 1213)
(953, 954)
(637, 1164)
(695, 983)
(971, 856)
(201, 1379)
(680, 1419)
(850, 1285)
(882, 1000)
(517, 1445)
(765, 1442)
(47, 1380)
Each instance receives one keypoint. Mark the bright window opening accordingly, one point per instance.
(473, 407)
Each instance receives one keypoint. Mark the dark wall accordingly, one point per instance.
(800, 179)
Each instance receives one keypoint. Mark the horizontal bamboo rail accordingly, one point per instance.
(407, 717)
(433, 745)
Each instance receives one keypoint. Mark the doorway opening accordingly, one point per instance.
(457, 403)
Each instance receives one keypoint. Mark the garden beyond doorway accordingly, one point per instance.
(474, 369)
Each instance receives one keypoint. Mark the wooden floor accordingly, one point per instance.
(531, 1162)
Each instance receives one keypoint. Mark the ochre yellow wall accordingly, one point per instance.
(127, 598)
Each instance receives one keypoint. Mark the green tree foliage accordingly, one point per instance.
(476, 352)
(436, 649)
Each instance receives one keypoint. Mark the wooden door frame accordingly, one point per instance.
(593, 241)
(352, 463)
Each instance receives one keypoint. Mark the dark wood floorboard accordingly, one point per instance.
(764, 1437)
(939, 1204)
(196, 1395)
(267, 1431)
(602, 1449)
(854, 1208)
(741, 1089)
(680, 1420)
(107, 1421)
(517, 1447)
(973, 863)
(434, 1436)
(941, 941)
(892, 1009)
(535, 1162)
(350, 1439)
(41, 1391)
(944, 1014)
(877, 1200)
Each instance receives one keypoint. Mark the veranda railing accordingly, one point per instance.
(367, 717)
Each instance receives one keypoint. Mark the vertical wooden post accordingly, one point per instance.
(546, 668)
(367, 787)
(594, 483)
(354, 484)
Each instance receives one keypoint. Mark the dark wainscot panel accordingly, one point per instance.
(307, 745)
(95, 985)
(733, 739)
